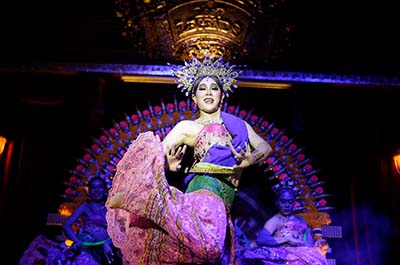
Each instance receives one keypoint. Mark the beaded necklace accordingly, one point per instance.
(206, 121)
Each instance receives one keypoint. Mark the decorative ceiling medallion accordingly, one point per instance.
(181, 30)
(208, 27)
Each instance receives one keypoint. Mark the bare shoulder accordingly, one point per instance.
(184, 123)
(274, 219)
(249, 128)
(187, 126)
(255, 139)
(272, 222)
(184, 132)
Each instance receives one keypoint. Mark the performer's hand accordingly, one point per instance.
(295, 242)
(108, 252)
(244, 158)
(174, 157)
(116, 200)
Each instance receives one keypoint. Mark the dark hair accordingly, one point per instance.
(282, 190)
(198, 80)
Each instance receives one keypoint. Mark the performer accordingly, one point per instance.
(92, 245)
(92, 236)
(153, 222)
(285, 238)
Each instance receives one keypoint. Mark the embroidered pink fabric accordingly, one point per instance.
(157, 223)
(211, 134)
(284, 255)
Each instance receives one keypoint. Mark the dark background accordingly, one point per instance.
(349, 131)
(336, 36)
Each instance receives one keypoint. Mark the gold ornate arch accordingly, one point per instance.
(182, 29)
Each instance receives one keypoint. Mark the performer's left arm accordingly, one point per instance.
(257, 150)
(261, 148)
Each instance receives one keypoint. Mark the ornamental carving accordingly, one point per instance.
(179, 30)
(200, 27)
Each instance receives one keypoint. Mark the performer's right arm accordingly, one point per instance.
(176, 142)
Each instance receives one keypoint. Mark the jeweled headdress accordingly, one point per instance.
(188, 73)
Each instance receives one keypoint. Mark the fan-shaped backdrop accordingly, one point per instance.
(288, 165)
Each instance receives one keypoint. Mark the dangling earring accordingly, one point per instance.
(221, 104)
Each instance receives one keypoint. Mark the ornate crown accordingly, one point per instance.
(188, 73)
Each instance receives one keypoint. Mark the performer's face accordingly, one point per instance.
(208, 95)
(285, 203)
(97, 190)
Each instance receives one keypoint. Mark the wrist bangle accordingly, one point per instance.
(90, 244)
(256, 155)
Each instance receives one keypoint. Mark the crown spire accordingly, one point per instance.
(187, 74)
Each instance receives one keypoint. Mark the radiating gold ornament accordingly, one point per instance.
(191, 71)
